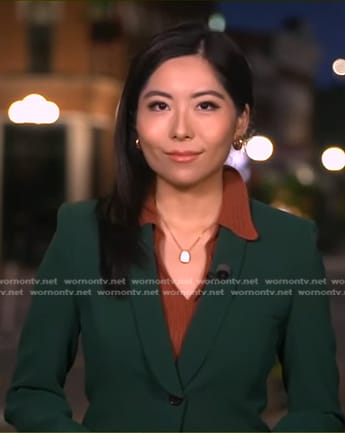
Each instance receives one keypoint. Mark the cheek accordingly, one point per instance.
(218, 129)
(150, 131)
(216, 138)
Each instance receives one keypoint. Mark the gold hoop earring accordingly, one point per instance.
(137, 143)
(239, 142)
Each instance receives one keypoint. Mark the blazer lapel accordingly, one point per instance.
(206, 323)
(211, 309)
(151, 323)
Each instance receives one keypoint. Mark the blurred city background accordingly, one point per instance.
(62, 66)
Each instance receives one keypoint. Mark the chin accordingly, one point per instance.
(184, 180)
(177, 179)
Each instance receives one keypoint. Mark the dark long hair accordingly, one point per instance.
(118, 214)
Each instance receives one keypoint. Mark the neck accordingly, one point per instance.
(191, 208)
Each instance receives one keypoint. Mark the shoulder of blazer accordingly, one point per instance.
(287, 243)
(80, 213)
(77, 210)
(281, 225)
(77, 223)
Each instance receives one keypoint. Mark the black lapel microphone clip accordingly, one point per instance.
(223, 272)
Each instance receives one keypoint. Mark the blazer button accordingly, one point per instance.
(174, 400)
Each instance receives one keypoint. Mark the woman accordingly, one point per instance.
(172, 344)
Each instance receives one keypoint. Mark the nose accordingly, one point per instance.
(181, 128)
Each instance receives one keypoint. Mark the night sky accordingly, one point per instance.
(326, 20)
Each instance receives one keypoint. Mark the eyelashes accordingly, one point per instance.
(157, 106)
(211, 106)
(203, 106)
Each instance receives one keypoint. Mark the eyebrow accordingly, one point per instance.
(194, 95)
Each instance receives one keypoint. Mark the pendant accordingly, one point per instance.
(185, 256)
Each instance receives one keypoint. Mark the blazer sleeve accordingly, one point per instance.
(308, 356)
(47, 347)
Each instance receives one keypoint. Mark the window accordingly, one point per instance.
(40, 41)
(39, 17)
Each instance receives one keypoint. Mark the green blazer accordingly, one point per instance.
(219, 381)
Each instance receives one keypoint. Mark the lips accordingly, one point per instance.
(184, 156)
(183, 152)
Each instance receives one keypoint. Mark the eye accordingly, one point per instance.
(208, 106)
(158, 106)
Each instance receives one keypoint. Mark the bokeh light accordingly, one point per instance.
(333, 158)
(259, 148)
(338, 66)
(34, 108)
(217, 22)
(305, 174)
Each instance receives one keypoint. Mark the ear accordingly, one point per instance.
(242, 123)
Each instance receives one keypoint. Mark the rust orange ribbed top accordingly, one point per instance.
(234, 215)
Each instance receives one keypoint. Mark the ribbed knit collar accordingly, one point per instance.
(235, 212)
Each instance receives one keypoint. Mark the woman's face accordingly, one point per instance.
(186, 121)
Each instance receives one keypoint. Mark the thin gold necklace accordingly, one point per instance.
(185, 253)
